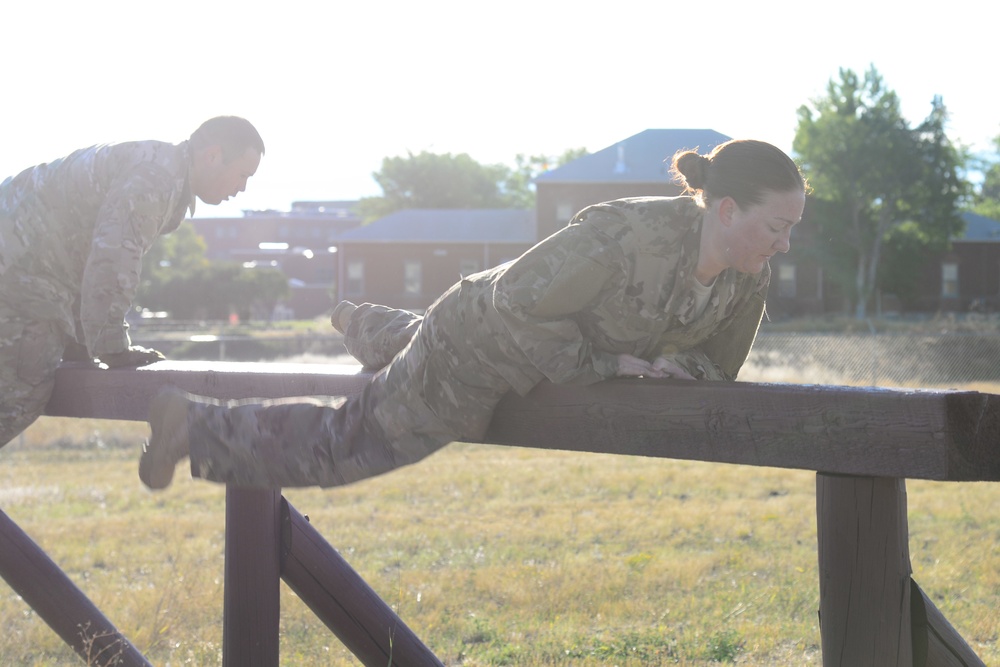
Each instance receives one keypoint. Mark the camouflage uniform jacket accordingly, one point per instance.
(73, 233)
(618, 279)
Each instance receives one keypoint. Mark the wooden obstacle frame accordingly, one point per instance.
(862, 442)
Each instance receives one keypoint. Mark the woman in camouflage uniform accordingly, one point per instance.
(652, 286)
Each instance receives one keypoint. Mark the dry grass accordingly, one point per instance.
(495, 556)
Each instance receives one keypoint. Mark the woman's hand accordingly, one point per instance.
(629, 366)
(670, 370)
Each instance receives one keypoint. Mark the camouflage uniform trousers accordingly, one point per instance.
(437, 389)
(30, 352)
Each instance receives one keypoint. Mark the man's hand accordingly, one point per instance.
(134, 356)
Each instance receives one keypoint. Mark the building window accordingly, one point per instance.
(355, 284)
(949, 279)
(786, 280)
(564, 212)
(412, 276)
(468, 267)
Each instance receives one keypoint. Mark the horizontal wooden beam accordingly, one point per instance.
(939, 435)
(83, 390)
(917, 434)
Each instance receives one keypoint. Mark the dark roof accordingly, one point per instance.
(487, 225)
(979, 228)
(638, 159)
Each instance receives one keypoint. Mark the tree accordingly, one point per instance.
(519, 187)
(218, 289)
(873, 173)
(429, 180)
(987, 199)
(179, 279)
(181, 251)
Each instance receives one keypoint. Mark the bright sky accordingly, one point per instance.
(336, 86)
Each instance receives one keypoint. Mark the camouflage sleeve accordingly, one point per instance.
(728, 349)
(128, 223)
(541, 296)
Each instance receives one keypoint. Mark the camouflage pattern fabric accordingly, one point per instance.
(617, 279)
(376, 333)
(72, 235)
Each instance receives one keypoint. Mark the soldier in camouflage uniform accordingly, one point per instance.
(72, 236)
(659, 287)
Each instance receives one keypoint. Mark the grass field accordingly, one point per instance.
(492, 555)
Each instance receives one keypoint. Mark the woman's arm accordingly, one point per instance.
(542, 294)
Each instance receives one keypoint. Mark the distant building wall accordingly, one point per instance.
(388, 269)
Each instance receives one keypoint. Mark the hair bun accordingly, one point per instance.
(693, 168)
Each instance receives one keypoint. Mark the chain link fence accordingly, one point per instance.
(947, 360)
(940, 356)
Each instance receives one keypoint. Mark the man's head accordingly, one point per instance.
(225, 152)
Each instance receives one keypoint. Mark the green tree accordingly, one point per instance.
(519, 186)
(179, 279)
(182, 251)
(217, 289)
(430, 180)
(873, 173)
(987, 198)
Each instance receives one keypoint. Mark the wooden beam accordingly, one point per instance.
(339, 597)
(83, 390)
(936, 643)
(58, 601)
(939, 435)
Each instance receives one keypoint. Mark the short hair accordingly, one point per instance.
(234, 134)
(743, 169)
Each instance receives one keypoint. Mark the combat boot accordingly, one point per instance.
(169, 439)
(341, 315)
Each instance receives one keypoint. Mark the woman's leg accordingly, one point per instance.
(431, 394)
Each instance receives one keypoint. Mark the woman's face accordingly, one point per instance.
(757, 233)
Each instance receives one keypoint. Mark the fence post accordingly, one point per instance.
(864, 571)
(252, 597)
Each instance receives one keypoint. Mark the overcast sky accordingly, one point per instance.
(334, 87)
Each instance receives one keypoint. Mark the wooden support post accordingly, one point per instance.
(57, 600)
(864, 572)
(252, 598)
(350, 608)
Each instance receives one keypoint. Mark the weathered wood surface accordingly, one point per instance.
(339, 597)
(936, 642)
(58, 601)
(864, 572)
(871, 612)
(940, 435)
(252, 595)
